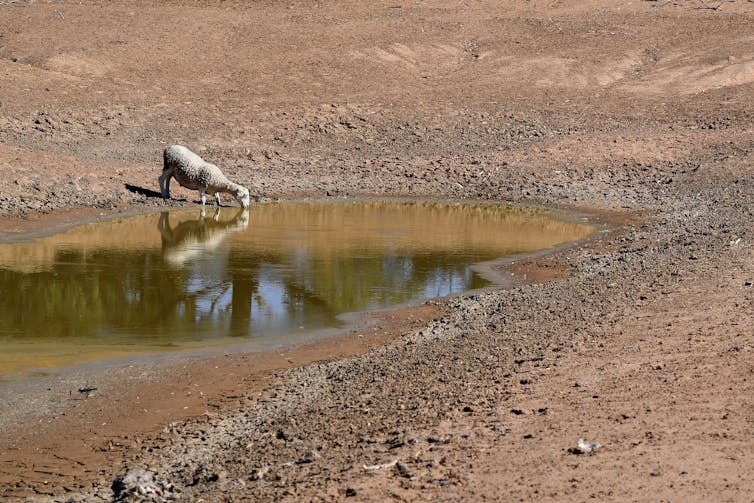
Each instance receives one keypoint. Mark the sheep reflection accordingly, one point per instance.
(192, 238)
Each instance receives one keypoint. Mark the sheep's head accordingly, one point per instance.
(242, 195)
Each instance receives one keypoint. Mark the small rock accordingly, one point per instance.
(141, 484)
(259, 474)
(583, 447)
(309, 457)
(402, 469)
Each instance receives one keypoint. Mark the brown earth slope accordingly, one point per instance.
(638, 112)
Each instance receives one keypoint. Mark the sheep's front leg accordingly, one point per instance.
(203, 196)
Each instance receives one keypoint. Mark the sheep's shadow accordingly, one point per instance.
(148, 192)
(141, 190)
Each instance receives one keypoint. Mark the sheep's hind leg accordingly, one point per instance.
(203, 196)
(164, 180)
(217, 199)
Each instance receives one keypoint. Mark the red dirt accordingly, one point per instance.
(641, 341)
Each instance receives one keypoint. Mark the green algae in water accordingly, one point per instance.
(189, 279)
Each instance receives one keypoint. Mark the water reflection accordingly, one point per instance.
(179, 279)
(190, 238)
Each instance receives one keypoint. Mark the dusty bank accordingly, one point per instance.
(640, 343)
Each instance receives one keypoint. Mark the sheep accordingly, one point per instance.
(193, 172)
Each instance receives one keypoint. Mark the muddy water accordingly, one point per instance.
(186, 280)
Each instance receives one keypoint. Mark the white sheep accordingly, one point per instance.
(193, 172)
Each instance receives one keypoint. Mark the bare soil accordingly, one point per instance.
(641, 340)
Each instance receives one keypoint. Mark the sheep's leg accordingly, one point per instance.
(203, 196)
(217, 199)
(164, 180)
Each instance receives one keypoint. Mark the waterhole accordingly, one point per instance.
(189, 279)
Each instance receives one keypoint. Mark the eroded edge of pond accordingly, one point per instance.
(38, 398)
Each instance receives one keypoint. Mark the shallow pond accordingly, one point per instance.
(189, 280)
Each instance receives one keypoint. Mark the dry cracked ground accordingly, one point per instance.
(640, 341)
